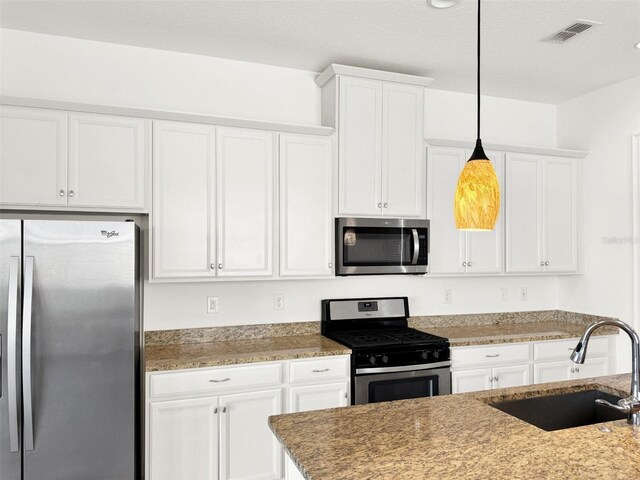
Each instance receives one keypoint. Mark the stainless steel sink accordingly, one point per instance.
(567, 410)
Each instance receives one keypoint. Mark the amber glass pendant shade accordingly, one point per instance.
(476, 204)
(477, 198)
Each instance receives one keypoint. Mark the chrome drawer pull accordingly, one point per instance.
(220, 381)
(493, 356)
(320, 371)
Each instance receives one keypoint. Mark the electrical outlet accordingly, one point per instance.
(212, 304)
(524, 295)
(504, 294)
(447, 295)
(278, 301)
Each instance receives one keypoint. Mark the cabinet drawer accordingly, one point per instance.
(489, 355)
(319, 369)
(215, 380)
(561, 349)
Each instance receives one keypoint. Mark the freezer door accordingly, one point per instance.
(81, 324)
(10, 378)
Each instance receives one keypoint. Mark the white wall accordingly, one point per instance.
(603, 123)
(58, 68)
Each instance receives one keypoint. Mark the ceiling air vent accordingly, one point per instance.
(571, 31)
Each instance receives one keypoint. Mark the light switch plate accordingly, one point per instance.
(278, 301)
(212, 304)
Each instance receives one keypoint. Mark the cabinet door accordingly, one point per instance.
(471, 380)
(512, 376)
(245, 202)
(485, 250)
(360, 147)
(249, 450)
(107, 161)
(592, 367)
(183, 440)
(183, 216)
(523, 213)
(403, 159)
(306, 215)
(317, 397)
(33, 157)
(560, 215)
(446, 254)
(544, 372)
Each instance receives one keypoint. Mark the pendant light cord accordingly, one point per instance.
(478, 135)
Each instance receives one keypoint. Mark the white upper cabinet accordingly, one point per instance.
(542, 214)
(447, 250)
(33, 157)
(107, 161)
(560, 227)
(360, 147)
(453, 251)
(403, 161)
(183, 215)
(381, 159)
(485, 250)
(524, 213)
(104, 169)
(245, 190)
(306, 214)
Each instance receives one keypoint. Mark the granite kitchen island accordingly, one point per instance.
(459, 437)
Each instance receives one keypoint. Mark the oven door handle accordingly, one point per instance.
(404, 368)
(416, 246)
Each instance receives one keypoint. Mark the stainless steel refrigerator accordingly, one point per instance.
(69, 327)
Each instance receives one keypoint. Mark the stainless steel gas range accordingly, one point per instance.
(390, 361)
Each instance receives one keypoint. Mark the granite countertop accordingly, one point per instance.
(458, 437)
(247, 350)
(465, 335)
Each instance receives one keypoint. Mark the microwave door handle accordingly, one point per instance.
(416, 246)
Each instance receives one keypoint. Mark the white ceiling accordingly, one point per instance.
(400, 35)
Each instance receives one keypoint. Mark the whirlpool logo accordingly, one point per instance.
(110, 234)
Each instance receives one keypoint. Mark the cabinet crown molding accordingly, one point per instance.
(556, 152)
(337, 69)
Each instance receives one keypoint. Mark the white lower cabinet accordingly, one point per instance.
(486, 367)
(183, 439)
(212, 423)
(248, 449)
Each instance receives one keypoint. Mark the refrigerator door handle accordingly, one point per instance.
(26, 354)
(12, 351)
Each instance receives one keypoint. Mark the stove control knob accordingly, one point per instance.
(424, 355)
(436, 354)
(372, 359)
(385, 359)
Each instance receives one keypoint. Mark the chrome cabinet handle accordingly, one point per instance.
(320, 371)
(213, 380)
(464, 264)
(379, 205)
(346, 395)
(468, 264)
(386, 205)
(577, 369)
(215, 410)
(546, 264)
(224, 409)
(61, 193)
(12, 352)
(330, 265)
(26, 354)
(213, 266)
(490, 379)
(493, 356)
(542, 264)
(573, 370)
(71, 194)
(496, 379)
(220, 266)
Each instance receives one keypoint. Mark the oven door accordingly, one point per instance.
(367, 246)
(384, 384)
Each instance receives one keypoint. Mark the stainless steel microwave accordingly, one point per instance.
(381, 246)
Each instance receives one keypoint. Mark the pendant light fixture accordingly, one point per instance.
(477, 198)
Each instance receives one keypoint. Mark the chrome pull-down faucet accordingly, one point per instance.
(629, 405)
